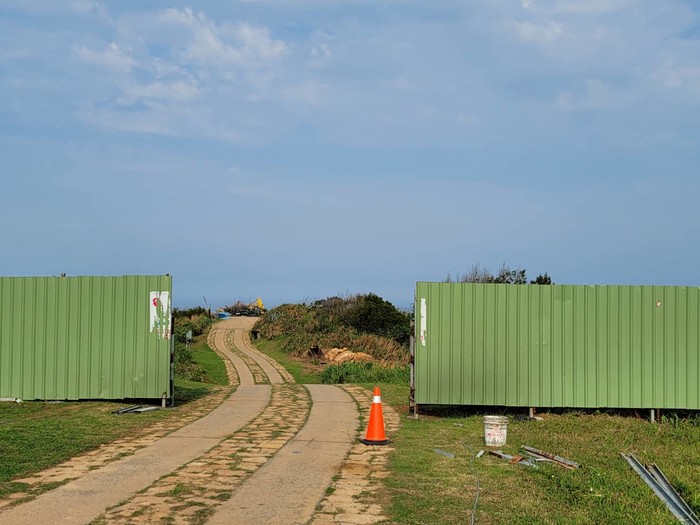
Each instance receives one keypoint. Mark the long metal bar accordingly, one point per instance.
(661, 479)
(654, 485)
(566, 463)
(126, 410)
(513, 459)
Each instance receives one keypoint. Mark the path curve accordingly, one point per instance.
(257, 448)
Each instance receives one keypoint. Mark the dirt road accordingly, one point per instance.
(272, 452)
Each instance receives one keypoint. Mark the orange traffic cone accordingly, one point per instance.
(375, 429)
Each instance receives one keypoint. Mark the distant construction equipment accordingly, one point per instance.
(239, 308)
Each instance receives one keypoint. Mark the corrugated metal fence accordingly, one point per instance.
(558, 346)
(85, 337)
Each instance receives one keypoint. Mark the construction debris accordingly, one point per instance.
(479, 454)
(443, 453)
(557, 460)
(514, 459)
(657, 481)
(239, 308)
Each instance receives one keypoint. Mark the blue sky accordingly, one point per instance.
(298, 149)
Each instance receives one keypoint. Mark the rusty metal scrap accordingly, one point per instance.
(513, 459)
(558, 460)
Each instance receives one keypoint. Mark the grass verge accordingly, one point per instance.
(37, 435)
(302, 371)
(367, 372)
(215, 370)
(427, 487)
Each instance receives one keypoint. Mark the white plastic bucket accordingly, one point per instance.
(495, 430)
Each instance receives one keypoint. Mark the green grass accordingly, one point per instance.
(210, 361)
(37, 435)
(426, 487)
(303, 372)
(367, 372)
(187, 391)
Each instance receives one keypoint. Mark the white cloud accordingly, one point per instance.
(210, 44)
(543, 32)
(83, 6)
(309, 93)
(580, 7)
(257, 41)
(175, 91)
(113, 58)
(320, 51)
(162, 68)
(597, 95)
(679, 76)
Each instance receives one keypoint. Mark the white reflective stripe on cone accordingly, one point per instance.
(376, 399)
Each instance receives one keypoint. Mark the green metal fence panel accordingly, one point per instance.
(558, 345)
(85, 337)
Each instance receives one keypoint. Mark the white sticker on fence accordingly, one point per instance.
(160, 313)
(423, 321)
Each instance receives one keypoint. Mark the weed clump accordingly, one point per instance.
(367, 372)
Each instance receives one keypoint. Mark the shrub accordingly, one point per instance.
(287, 319)
(185, 367)
(189, 312)
(198, 324)
(366, 372)
(361, 323)
(370, 314)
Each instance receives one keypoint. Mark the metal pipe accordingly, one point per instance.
(677, 510)
(661, 479)
(566, 463)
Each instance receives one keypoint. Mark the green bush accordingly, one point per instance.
(366, 372)
(197, 324)
(287, 319)
(190, 312)
(360, 323)
(185, 366)
(370, 314)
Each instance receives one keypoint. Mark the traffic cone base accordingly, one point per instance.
(370, 442)
(375, 428)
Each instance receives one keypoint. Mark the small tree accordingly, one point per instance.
(542, 279)
(505, 275)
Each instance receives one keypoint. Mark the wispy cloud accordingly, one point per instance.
(113, 58)
(172, 91)
(225, 44)
(538, 32)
